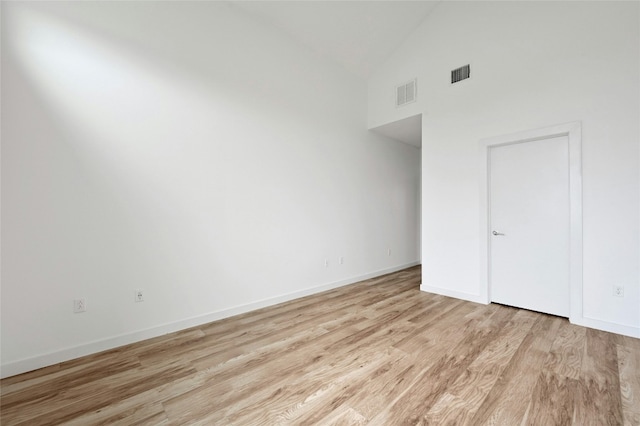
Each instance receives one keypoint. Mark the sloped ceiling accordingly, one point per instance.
(359, 35)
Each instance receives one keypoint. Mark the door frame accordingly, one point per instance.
(573, 131)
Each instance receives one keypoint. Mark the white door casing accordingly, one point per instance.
(529, 218)
(573, 132)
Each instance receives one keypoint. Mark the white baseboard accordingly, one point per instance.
(597, 324)
(52, 358)
(612, 327)
(476, 298)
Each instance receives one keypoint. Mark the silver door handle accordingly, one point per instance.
(497, 233)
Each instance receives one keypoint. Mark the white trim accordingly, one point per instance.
(455, 294)
(44, 360)
(573, 131)
(612, 327)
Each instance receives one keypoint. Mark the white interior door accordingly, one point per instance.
(529, 220)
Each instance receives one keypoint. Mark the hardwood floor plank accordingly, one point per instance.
(385, 384)
(71, 402)
(345, 416)
(415, 403)
(248, 372)
(255, 373)
(629, 343)
(280, 341)
(244, 339)
(508, 400)
(438, 331)
(552, 402)
(42, 386)
(327, 382)
(133, 410)
(629, 368)
(437, 310)
(395, 302)
(328, 391)
(467, 393)
(565, 355)
(600, 396)
(30, 378)
(377, 352)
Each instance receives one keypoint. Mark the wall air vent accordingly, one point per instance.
(406, 93)
(460, 74)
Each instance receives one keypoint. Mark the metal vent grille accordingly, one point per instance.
(460, 74)
(406, 93)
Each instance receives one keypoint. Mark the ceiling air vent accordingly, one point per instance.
(406, 93)
(460, 74)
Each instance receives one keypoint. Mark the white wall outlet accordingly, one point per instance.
(326, 263)
(79, 305)
(388, 252)
(618, 290)
(138, 296)
(341, 260)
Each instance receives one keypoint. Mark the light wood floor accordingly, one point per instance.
(377, 352)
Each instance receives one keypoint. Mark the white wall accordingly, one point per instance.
(187, 150)
(533, 65)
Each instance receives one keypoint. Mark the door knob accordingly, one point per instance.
(497, 233)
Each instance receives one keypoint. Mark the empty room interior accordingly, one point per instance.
(320, 212)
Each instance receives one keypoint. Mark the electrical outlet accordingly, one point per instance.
(326, 263)
(341, 260)
(139, 296)
(79, 305)
(388, 252)
(618, 290)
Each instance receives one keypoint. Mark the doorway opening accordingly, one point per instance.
(409, 131)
